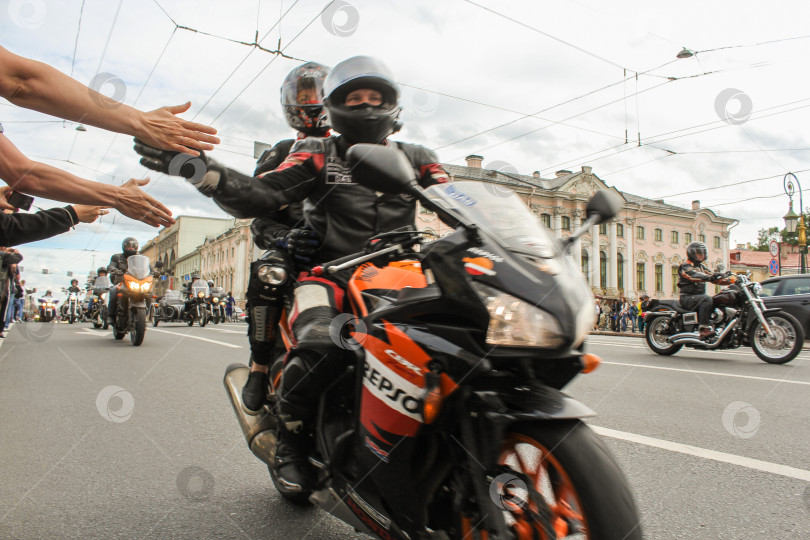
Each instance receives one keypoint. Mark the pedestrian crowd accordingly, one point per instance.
(621, 315)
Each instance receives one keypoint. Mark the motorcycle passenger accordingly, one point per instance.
(284, 234)
(116, 269)
(361, 99)
(692, 278)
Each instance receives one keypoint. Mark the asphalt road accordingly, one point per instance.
(99, 439)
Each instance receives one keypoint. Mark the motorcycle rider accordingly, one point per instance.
(101, 271)
(361, 99)
(692, 278)
(284, 234)
(74, 286)
(116, 269)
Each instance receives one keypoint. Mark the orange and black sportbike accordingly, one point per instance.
(449, 421)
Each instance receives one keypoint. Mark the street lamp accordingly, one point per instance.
(790, 217)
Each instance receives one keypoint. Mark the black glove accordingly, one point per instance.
(299, 243)
(201, 172)
(718, 275)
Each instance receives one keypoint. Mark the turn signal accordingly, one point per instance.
(590, 362)
(432, 400)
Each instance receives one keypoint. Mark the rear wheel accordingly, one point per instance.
(782, 344)
(564, 468)
(656, 333)
(138, 330)
(154, 321)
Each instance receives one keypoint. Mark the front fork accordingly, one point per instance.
(758, 306)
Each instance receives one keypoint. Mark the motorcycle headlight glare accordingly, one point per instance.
(515, 323)
(216, 300)
(103, 296)
(134, 285)
(201, 294)
(146, 286)
(272, 275)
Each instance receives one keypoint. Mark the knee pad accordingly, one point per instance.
(271, 277)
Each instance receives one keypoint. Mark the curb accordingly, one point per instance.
(623, 334)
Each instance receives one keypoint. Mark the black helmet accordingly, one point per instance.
(302, 99)
(101, 271)
(694, 249)
(362, 123)
(74, 280)
(129, 246)
(210, 283)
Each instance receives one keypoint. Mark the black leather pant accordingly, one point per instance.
(702, 303)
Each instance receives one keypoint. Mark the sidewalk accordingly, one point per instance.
(608, 333)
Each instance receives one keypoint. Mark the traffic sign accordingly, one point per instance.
(773, 266)
(774, 248)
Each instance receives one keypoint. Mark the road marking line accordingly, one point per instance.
(87, 331)
(705, 453)
(708, 373)
(244, 333)
(232, 346)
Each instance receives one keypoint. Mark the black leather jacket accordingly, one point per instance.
(117, 262)
(692, 278)
(342, 213)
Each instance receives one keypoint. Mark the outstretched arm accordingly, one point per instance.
(35, 178)
(40, 87)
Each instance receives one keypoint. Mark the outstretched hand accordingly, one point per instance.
(134, 203)
(163, 129)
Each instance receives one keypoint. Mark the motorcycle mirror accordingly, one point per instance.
(381, 168)
(605, 204)
(720, 268)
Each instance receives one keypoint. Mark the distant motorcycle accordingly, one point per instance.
(216, 305)
(740, 318)
(47, 309)
(170, 308)
(133, 292)
(71, 310)
(97, 314)
(196, 307)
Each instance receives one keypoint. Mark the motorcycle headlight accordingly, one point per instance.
(103, 296)
(216, 299)
(272, 275)
(134, 285)
(201, 294)
(146, 286)
(515, 323)
(757, 288)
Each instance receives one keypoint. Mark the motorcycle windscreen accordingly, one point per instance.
(498, 211)
(200, 286)
(138, 266)
(102, 282)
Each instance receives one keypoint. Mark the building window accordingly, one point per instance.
(687, 238)
(659, 278)
(640, 276)
(659, 235)
(603, 228)
(424, 210)
(673, 237)
(620, 271)
(674, 279)
(585, 265)
(546, 219)
(702, 238)
(620, 230)
(640, 232)
(566, 223)
(603, 269)
(716, 243)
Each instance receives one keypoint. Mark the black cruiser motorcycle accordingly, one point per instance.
(449, 420)
(170, 308)
(740, 318)
(98, 303)
(196, 305)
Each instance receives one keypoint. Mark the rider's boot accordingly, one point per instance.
(254, 393)
(293, 471)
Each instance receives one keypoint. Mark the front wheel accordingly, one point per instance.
(656, 333)
(568, 467)
(782, 344)
(138, 330)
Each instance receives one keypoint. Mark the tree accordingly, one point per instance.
(764, 237)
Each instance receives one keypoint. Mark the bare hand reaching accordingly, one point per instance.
(164, 130)
(88, 214)
(131, 201)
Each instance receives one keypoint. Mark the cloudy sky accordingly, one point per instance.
(540, 86)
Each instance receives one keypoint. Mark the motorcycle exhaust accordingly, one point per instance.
(259, 430)
(693, 338)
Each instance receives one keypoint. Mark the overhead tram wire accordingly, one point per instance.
(280, 53)
(76, 43)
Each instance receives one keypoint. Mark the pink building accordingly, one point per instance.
(636, 253)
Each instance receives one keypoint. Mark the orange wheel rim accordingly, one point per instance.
(550, 480)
